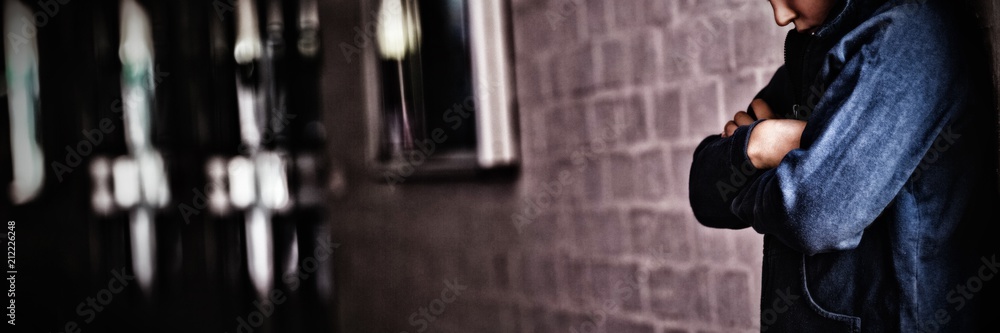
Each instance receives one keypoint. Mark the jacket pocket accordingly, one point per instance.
(787, 305)
(836, 322)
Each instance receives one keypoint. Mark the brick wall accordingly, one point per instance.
(597, 234)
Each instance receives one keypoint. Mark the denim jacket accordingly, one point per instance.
(876, 223)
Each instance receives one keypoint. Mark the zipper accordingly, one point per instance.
(804, 83)
(797, 69)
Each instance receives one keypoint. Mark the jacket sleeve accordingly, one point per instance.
(868, 133)
(721, 169)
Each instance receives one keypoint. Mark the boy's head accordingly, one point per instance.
(807, 15)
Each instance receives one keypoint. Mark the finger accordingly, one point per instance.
(761, 109)
(742, 119)
(729, 129)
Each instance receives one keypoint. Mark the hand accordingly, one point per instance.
(760, 109)
(770, 140)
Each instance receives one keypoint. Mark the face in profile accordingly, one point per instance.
(807, 15)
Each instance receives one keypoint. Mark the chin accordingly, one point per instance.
(806, 29)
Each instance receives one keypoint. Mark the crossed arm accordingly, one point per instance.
(817, 186)
(725, 164)
(770, 140)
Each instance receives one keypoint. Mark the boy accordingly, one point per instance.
(867, 163)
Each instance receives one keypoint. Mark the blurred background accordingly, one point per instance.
(375, 166)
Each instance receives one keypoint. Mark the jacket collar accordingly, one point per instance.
(845, 15)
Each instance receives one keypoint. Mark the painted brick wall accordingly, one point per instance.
(597, 234)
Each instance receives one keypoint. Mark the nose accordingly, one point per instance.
(782, 14)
